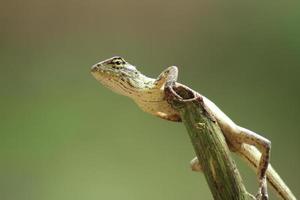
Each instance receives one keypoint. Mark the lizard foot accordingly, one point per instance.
(260, 196)
(262, 191)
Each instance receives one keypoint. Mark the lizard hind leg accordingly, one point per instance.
(264, 146)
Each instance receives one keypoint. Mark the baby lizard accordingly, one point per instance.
(148, 93)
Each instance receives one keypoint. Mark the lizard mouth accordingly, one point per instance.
(99, 69)
(103, 75)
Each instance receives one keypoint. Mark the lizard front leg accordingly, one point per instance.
(167, 79)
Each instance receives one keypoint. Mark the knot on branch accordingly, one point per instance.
(179, 95)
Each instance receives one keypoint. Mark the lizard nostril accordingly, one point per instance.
(94, 68)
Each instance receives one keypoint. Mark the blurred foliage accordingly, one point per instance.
(63, 136)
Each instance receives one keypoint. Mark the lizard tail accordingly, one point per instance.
(252, 156)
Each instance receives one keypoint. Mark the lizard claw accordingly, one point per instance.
(260, 196)
(262, 191)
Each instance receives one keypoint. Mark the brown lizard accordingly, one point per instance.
(123, 78)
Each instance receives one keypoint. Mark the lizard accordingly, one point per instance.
(123, 78)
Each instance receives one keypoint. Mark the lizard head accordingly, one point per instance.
(117, 74)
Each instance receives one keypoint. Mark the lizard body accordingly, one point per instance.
(148, 93)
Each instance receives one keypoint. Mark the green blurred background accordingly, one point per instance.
(65, 137)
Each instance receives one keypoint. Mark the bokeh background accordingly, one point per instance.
(65, 137)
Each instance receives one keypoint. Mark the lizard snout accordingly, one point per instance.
(95, 68)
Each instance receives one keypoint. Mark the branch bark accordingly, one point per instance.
(209, 144)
